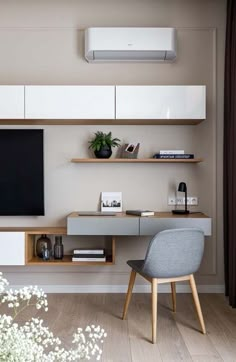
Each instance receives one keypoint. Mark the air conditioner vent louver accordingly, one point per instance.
(128, 55)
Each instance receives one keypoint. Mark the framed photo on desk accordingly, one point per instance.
(111, 201)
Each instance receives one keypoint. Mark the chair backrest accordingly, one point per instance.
(173, 253)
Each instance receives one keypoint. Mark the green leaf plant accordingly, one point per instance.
(102, 140)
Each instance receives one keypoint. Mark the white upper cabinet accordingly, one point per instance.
(11, 102)
(70, 102)
(184, 103)
(161, 102)
(12, 246)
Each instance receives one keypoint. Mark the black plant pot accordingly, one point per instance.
(104, 152)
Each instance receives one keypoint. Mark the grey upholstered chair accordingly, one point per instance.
(172, 256)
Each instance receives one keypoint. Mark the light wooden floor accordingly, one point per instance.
(178, 336)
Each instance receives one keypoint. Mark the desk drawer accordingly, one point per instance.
(151, 226)
(100, 225)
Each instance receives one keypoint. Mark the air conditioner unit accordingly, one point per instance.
(130, 44)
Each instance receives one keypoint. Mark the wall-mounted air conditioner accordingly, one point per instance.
(130, 44)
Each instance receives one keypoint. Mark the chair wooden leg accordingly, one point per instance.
(197, 303)
(173, 291)
(154, 310)
(129, 292)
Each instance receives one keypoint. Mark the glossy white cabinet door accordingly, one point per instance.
(161, 102)
(70, 102)
(11, 101)
(12, 246)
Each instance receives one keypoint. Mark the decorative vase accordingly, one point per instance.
(58, 248)
(46, 252)
(42, 243)
(104, 152)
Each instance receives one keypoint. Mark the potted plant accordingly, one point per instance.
(102, 144)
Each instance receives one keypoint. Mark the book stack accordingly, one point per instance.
(173, 154)
(85, 255)
(140, 212)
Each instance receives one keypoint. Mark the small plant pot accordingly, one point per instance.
(104, 152)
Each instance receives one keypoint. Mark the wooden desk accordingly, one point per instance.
(122, 224)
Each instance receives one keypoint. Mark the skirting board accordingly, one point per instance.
(123, 288)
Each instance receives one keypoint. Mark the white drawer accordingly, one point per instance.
(12, 246)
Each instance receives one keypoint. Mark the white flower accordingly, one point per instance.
(33, 342)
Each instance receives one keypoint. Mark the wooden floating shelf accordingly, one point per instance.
(135, 160)
(67, 261)
(96, 122)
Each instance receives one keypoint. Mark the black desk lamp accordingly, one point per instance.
(182, 188)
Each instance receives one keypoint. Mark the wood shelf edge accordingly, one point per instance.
(32, 263)
(66, 261)
(135, 160)
(120, 122)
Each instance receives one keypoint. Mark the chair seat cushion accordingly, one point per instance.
(137, 265)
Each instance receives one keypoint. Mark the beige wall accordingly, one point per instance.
(42, 43)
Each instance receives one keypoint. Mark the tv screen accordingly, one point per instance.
(21, 172)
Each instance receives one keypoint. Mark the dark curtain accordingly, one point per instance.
(230, 155)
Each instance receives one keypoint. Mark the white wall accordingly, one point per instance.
(42, 43)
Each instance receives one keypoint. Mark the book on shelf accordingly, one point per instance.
(89, 258)
(184, 156)
(171, 152)
(83, 256)
(140, 212)
(80, 251)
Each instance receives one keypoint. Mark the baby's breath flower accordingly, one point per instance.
(33, 342)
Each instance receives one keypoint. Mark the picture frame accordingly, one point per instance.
(111, 201)
(130, 150)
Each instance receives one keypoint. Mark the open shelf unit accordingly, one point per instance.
(135, 160)
(32, 259)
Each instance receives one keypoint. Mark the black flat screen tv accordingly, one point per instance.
(21, 172)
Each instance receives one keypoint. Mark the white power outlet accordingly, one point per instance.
(180, 200)
(191, 200)
(171, 201)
